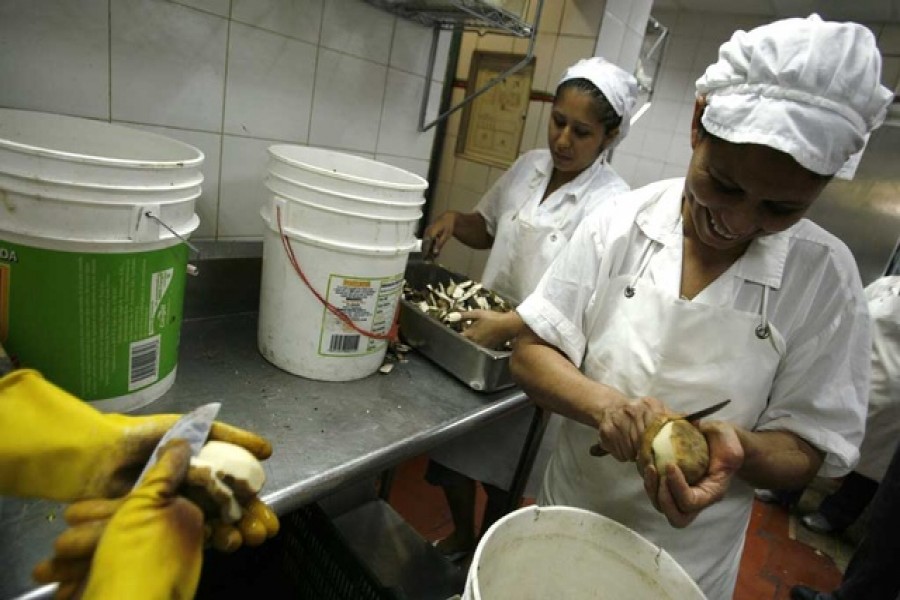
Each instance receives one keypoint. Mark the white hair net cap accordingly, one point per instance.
(619, 86)
(806, 87)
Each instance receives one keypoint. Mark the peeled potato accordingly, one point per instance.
(674, 441)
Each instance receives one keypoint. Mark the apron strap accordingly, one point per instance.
(642, 265)
(762, 330)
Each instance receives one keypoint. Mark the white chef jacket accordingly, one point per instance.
(517, 194)
(490, 454)
(816, 302)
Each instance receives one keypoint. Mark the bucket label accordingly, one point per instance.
(98, 325)
(369, 302)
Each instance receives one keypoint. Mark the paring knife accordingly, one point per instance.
(193, 427)
(596, 450)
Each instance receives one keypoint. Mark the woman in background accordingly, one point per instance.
(526, 218)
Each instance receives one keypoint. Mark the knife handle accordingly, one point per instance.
(596, 450)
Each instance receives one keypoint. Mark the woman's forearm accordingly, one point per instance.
(777, 460)
(471, 230)
(556, 384)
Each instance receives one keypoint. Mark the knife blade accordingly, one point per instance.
(193, 427)
(596, 450)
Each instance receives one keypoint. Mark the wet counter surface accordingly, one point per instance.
(324, 434)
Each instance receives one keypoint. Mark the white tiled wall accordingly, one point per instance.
(659, 143)
(230, 77)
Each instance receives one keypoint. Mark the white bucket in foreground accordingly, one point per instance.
(297, 333)
(561, 552)
(91, 277)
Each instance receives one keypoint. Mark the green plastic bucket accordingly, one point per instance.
(92, 272)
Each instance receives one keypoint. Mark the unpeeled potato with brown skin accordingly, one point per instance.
(686, 448)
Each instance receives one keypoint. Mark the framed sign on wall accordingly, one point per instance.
(492, 124)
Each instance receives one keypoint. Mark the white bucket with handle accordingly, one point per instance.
(563, 552)
(334, 257)
(93, 223)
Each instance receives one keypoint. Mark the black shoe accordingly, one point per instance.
(801, 592)
(817, 522)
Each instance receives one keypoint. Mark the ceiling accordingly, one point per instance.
(868, 11)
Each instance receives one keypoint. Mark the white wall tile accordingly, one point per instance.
(669, 171)
(207, 206)
(469, 177)
(673, 84)
(168, 65)
(582, 17)
(216, 7)
(680, 52)
(646, 171)
(448, 159)
(477, 263)
(679, 151)
(634, 141)
(707, 54)
(656, 144)
(347, 102)
(269, 86)
(624, 164)
(411, 49)
(551, 15)
(532, 136)
(544, 47)
(439, 201)
(300, 19)
(569, 50)
(242, 192)
(357, 28)
(54, 56)
(399, 134)
(640, 14)
(890, 71)
(619, 8)
(631, 50)
(609, 42)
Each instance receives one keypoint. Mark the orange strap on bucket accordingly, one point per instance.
(392, 333)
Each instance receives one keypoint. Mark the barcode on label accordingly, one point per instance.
(144, 362)
(343, 343)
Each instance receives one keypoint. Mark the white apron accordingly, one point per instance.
(689, 355)
(521, 253)
(883, 418)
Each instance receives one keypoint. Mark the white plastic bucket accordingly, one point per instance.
(91, 277)
(345, 173)
(297, 333)
(44, 146)
(562, 552)
(296, 190)
(344, 226)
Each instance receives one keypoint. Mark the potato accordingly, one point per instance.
(670, 440)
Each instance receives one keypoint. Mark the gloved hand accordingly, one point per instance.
(151, 548)
(54, 446)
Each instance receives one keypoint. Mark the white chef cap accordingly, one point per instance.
(619, 87)
(806, 87)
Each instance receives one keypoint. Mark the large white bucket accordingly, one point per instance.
(334, 245)
(562, 552)
(345, 173)
(92, 268)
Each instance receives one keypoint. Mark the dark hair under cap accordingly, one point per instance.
(602, 108)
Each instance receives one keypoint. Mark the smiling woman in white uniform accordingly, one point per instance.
(526, 218)
(696, 290)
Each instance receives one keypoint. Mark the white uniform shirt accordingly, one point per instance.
(522, 185)
(816, 302)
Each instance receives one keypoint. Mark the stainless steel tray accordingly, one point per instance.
(479, 368)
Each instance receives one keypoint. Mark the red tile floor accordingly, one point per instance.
(771, 564)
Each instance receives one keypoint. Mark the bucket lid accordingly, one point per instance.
(95, 142)
(348, 167)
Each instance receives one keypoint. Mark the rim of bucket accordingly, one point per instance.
(534, 512)
(91, 129)
(132, 189)
(420, 183)
(327, 192)
(341, 211)
(330, 245)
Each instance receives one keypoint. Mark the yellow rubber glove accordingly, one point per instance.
(151, 548)
(54, 446)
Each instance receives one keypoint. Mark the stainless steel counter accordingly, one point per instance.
(324, 434)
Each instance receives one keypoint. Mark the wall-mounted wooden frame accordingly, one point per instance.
(491, 127)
